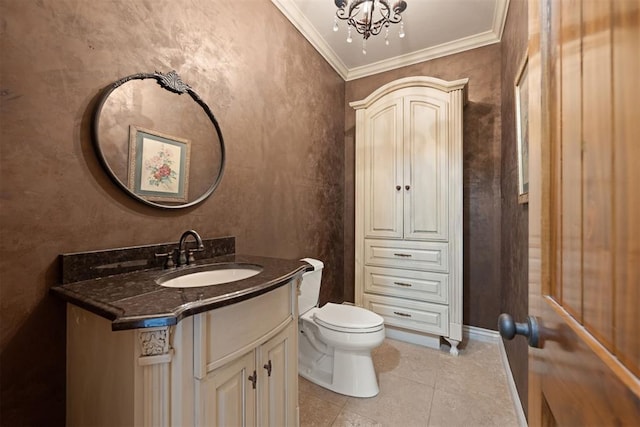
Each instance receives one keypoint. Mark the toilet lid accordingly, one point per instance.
(348, 318)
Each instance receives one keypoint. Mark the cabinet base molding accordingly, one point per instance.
(413, 337)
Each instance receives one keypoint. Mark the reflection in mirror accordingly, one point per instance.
(158, 140)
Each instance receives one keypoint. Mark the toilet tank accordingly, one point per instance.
(310, 286)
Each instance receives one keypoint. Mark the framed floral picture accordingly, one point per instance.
(158, 165)
(522, 130)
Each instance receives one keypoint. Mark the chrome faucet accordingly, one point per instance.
(183, 259)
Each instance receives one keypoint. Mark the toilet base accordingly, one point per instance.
(354, 375)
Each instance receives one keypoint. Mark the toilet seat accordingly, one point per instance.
(348, 318)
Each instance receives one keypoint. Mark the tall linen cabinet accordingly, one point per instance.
(408, 239)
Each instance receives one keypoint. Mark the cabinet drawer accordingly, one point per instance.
(432, 256)
(417, 285)
(417, 316)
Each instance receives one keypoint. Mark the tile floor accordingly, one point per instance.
(420, 387)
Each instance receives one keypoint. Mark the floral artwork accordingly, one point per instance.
(158, 165)
(160, 170)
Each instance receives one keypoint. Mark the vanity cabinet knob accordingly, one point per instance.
(267, 366)
(398, 187)
(253, 378)
(407, 187)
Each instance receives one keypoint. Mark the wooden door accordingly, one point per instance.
(584, 211)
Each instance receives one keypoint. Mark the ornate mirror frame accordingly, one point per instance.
(171, 82)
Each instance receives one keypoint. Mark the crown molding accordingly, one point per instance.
(292, 12)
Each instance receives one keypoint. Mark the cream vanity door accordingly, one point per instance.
(228, 395)
(277, 382)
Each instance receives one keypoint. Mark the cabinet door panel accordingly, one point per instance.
(425, 168)
(278, 383)
(383, 171)
(226, 395)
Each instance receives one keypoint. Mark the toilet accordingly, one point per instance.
(335, 340)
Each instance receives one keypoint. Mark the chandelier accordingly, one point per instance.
(369, 17)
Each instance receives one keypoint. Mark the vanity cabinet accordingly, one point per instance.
(409, 207)
(246, 370)
(233, 365)
(253, 389)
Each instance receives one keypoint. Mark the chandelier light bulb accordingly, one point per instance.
(335, 24)
(349, 39)
(401, 34)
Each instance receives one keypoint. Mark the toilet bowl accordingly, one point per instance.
(335, 340)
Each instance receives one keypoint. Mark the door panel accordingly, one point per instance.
(425, 168)
(597, 161)
(383, 171)
(584, 163)
(278, 391)
(226, 395)
(571, 151)
(626, 179)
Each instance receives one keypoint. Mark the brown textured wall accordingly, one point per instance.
(481, 150)
(273, 95)
(514, 268)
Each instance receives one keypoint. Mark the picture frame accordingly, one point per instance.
(158, 165)
(522, 129)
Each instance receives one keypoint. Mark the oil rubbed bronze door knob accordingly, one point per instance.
(509, 329)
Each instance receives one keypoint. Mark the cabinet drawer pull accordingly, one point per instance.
(253, 378)
(403, 255)
(408, 285)
(267, 366)
(399, 313)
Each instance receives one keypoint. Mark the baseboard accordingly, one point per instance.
(515, 397)
(480, 334)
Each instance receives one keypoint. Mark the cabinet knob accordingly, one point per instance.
(253, 378)
(407, 187)
(398, 187)
(267, 366)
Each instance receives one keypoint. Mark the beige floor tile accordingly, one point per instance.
(419, 387)
(406, 360)
(306, 386)
(401, 402)
(315, 412)
(349, 419)
(471, 409)
(478, 369)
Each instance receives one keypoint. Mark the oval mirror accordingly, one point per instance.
(158, 140)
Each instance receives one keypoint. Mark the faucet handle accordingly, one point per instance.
(169, 261)
(191, 258)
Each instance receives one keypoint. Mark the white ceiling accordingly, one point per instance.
(433, 28)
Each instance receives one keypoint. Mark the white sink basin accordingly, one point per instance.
(212, 275)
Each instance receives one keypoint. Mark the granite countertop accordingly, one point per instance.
(134, 300)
